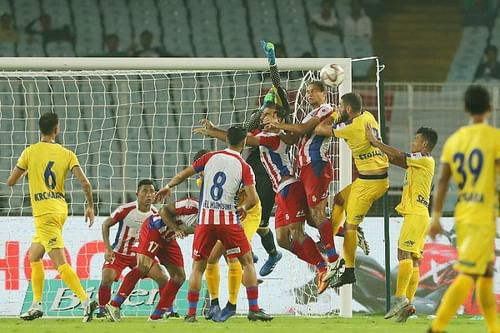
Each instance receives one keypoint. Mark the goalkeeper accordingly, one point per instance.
(276, 95)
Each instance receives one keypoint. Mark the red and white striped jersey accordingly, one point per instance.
(129, 219)
(274, 157)
(314, 147)
(224, 173)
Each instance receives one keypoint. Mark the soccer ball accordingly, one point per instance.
(332, 75)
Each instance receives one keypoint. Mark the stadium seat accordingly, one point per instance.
(60, 49)
(59, 12)
(116, 20)
(328, 45)
(7, 50)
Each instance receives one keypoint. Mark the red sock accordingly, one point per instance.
(313, 253)
(104, 295)
(167, 295)
(128, 284)
(326, 236)
(253, 296)
(193, 296)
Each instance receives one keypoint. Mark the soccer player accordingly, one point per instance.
(472, 157)
(372, 165)
(315, 169)
(263, 184)
(414, 207)
(121, 254)
(224, 172)
(47, 164)
(158, 245)
(290, 196)
(235, 273)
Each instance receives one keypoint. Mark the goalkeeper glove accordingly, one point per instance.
(269, 51)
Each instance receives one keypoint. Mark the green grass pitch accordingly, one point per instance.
(358, 324)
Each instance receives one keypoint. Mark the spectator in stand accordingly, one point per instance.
(48, 33)
(327, 19)
(7, 32)
(490, 68)
(112, 47)
(147, 49)
(357, 24)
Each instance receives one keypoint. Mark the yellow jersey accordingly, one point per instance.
(417, 185)
(366, 156)
(472, 152)
(47, 165)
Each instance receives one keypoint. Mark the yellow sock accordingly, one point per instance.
(350, 243)
(234, 277)
(337, 218)
(487, 302)
(212, 275)
(412, 286)
(70, 278)
(37, 280)
(404, 275)
(453, 298)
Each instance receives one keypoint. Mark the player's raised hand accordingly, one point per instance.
(200, 130)
(242, 212)
(161, 194)
(269, 51)
(89, 216)
(435, 227)
(372, 134)
(207, 124)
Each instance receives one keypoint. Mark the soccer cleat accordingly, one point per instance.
(259, 315)
(88, 311)
(333, 269)
(155, 318)
(190, 319)
(322, 285)
(224, 315)
(112, 312)
(172, 314)
(100, 315)
(255, 258)
(406, 313)
(214, 309)
(33, 313)
(398, 304)
(362, 242)
(347, 277)
(270, 264)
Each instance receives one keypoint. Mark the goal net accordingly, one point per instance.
(125, 125)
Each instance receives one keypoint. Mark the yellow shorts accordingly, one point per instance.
(48, 231)
(251, 223)
(412, 234)
(476, 246)
(364, 192)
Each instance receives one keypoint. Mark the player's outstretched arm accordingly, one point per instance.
(324, 128)
(87, 189)
(396, 156)
(209, 129)
(178, 179)
(298, 129)
(437, 207)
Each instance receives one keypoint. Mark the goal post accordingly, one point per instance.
(131, 118)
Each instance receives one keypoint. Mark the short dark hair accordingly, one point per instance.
(491, 48)
(48, 122)
(477, 100)
(429, 135)
(236, 135)
(200, 153)
(318, 85)
(144, 182)
(354, 100)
